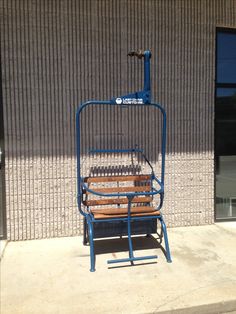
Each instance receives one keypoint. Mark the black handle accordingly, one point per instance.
(139, 54)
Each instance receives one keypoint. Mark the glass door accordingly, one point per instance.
(225, 125)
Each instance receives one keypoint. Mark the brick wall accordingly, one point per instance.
(56, 54)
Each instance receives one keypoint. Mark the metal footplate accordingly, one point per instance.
(131, 259)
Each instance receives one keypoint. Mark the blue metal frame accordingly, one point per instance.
(141, 98)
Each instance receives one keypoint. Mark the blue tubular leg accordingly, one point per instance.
(92, 254)
(163, 226)
(85, 241)
(131, 253)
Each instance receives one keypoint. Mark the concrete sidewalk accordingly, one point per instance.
(52, 276)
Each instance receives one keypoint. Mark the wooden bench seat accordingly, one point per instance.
(136, 183)
(101, 216)
(122, 212)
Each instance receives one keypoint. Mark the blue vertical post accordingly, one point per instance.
(168, 255)
(91, 243)
(131, 253)
(163, 147)
(147, 78)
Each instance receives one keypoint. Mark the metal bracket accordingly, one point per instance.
(143, 96)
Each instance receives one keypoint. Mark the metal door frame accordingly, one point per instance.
(3, 232)
(220, 85)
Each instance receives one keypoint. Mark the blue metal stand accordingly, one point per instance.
(131, 253)
(140, 98)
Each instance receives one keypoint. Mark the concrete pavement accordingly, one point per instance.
(52, 276)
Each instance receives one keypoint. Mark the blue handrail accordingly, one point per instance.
(110, 103)
(115, 151)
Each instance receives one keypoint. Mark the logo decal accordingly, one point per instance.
(129, 101)
(119, 101)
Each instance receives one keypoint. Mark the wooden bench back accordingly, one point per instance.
(124, 184)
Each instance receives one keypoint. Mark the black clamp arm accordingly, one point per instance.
(139, 54)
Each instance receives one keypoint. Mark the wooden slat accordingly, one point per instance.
(109, 201)
(116, 211)
(124, 189)
(103, 216)
(117, 178)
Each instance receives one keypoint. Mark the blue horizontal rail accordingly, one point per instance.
(115, 151)
(125, 219)
(153, 192)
